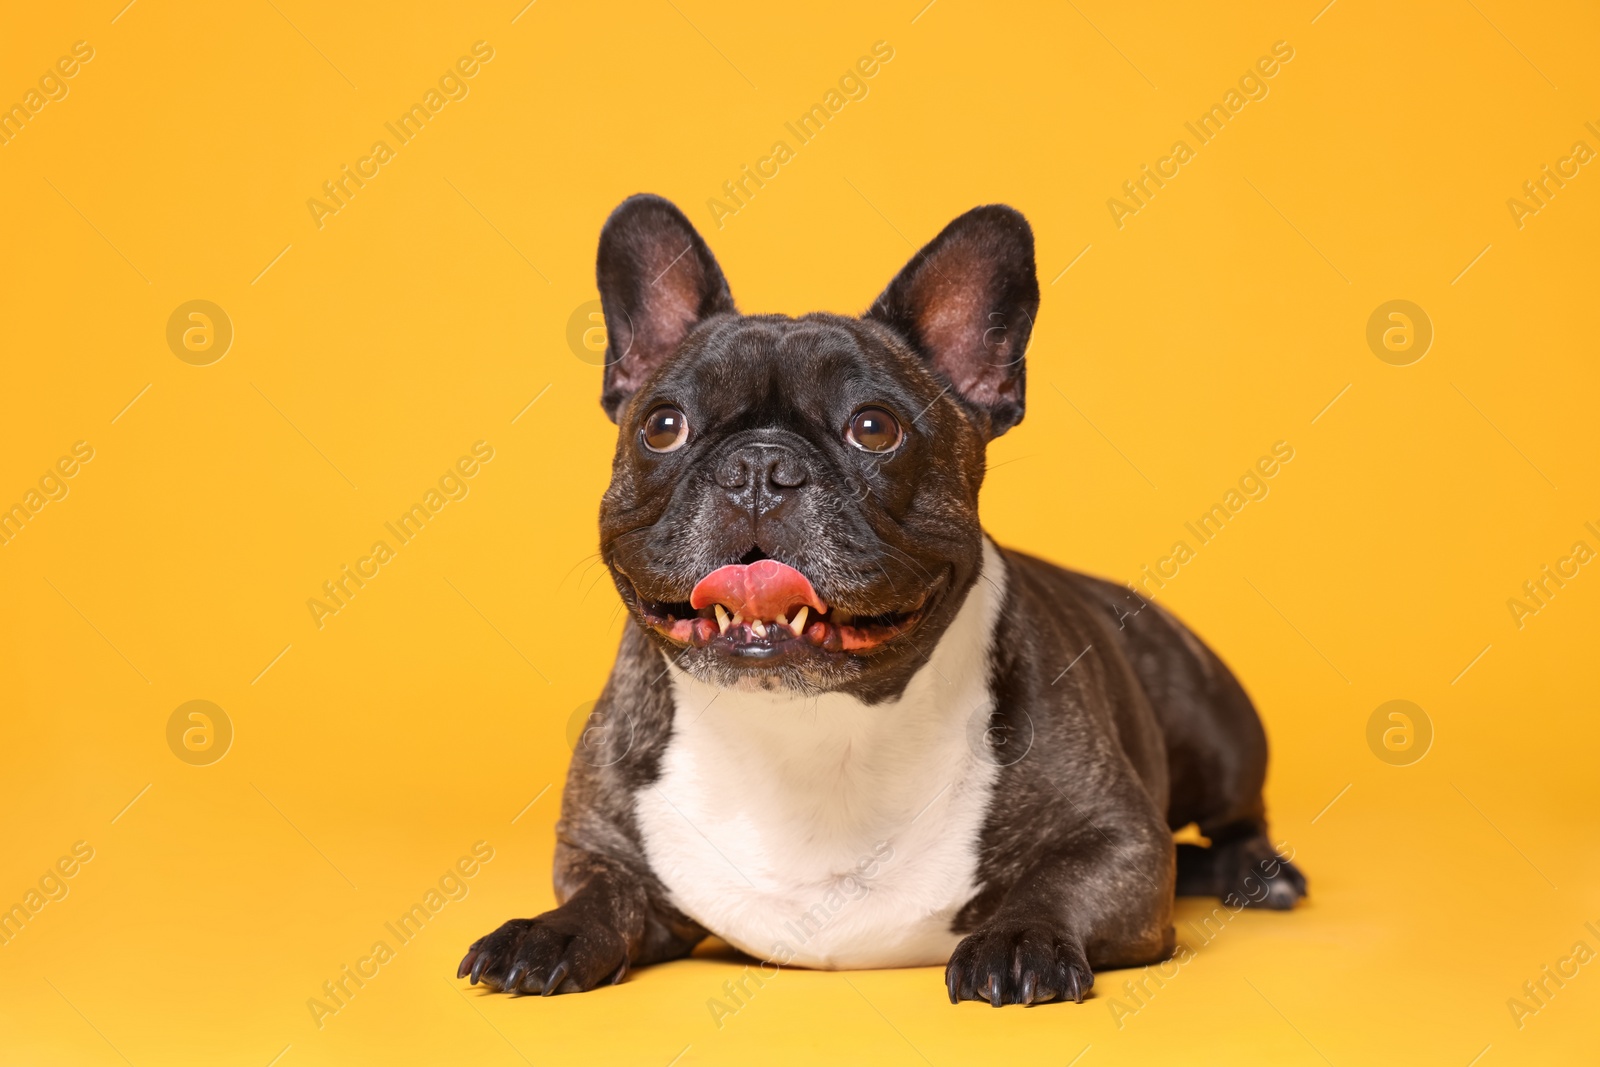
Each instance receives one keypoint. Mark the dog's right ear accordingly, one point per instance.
(657, 281)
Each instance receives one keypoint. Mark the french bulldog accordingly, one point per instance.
(845, 729)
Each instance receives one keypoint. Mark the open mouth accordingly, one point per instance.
(761, 610)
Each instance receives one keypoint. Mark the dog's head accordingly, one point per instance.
(793, 501)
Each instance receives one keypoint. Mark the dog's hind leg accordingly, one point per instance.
(1240, 866)
(1216, 756)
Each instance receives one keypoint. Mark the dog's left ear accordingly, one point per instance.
(967, 302)
(657, 281)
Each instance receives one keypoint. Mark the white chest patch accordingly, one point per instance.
(823, 831)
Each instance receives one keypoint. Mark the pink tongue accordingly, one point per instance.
(761, 590)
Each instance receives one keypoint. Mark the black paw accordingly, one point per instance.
(1016, 963)
(1253, 874)
(1270, 883)
(555, 953)
(1243, 873)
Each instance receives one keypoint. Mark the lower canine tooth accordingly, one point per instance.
(722, 619)
(799, 623)
(759, 627)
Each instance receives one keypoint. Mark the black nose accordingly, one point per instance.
(757, 477)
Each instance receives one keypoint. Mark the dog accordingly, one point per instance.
(845, 729)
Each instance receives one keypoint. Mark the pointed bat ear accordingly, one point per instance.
(966, 303)
(657, 281)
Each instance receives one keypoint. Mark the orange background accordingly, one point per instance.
(434, 710)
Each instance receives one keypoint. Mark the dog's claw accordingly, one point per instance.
(1015, 962)
(577, 950)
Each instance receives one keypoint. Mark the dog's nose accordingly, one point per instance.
(757, 476)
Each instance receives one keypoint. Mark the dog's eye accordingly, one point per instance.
(874, 430)
(665, 429)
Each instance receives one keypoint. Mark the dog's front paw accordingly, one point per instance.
(558, 952)
(1017, 963)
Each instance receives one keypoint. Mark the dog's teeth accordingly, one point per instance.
(759, 627)
(722, 619)
(799, 623)
(737, 618)
(782, 619)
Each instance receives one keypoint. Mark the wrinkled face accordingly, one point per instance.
(793, 502)
(822, 455)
